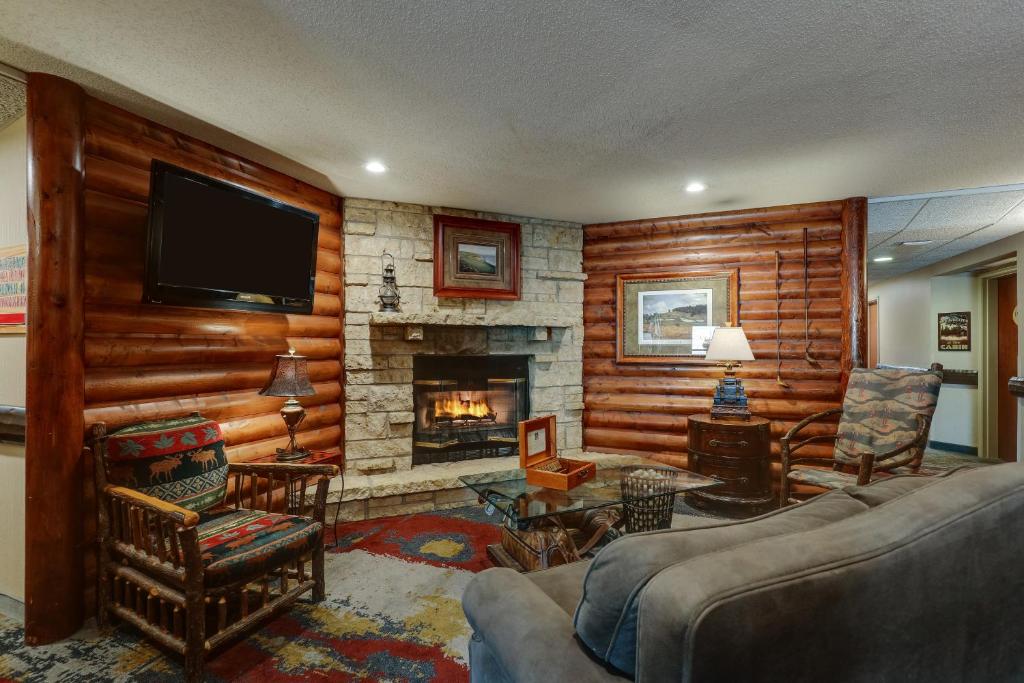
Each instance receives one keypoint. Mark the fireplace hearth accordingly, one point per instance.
(468, 407)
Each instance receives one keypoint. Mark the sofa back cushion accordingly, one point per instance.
(180, 461)
(606, 616)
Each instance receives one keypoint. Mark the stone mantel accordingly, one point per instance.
(414, 322)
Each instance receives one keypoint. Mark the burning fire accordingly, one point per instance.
(454, 408)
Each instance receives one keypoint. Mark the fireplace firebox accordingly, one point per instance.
(468, 407)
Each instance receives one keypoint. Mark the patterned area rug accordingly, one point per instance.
(393, 613)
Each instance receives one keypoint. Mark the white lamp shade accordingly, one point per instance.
(729, 344)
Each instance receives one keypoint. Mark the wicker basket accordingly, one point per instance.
(642, 506)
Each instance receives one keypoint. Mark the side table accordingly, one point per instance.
(294, 505)
(735, 452)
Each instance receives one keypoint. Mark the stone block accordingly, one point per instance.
(358, 362)
(570, 292)
(357, 279)
(400, 361)
(464, 496)
(355, 408)
(558, 237)
(414, 333)
(401, 431)
(400, 509)
(357, 215)
(562, 259)
(418, 497)
(351, 511)
(357, 228)
(385, 398)
(403, 417)
(366, 426)
(353, 332)
(369, 466)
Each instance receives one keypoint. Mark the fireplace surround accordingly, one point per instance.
(468, 407)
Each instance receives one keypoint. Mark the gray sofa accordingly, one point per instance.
(906, 579)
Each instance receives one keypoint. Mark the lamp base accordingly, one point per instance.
(285, 455)
(730, 402)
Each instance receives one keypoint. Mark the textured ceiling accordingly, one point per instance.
(12, 101)
(584, 111)
(954, 224)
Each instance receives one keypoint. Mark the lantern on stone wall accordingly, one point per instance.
(388, 292)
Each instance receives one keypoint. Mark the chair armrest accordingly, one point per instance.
(529, 636)
(806, 421)
(168, 511)
(869, 460)
(292, 479)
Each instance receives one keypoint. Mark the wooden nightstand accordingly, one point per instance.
(293, 503)
(737, 452)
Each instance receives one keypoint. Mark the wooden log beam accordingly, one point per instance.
(55, 371)
(854, 284)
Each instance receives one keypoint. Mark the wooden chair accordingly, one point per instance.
(177, 559)
(883, 425)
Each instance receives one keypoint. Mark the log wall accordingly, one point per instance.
(643, 408)
(145, 362)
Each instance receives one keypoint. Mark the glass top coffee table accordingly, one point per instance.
(527, 508)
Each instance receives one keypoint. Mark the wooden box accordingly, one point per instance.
(538, 455)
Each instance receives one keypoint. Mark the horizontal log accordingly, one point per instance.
(628, 440)
(218, 406)
(679, 424)
(150, 319)
(764, 369)
(112, 221)
(760, 270)
(689, 405)
(677, 386)
(748, 235)
(681, 260)
(107, 352)
(759, 216)
(261, 427)
(107, 122)
(128, 384)
(321, 439)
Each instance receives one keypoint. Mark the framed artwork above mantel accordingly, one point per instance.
(476, 258)
(668, 318)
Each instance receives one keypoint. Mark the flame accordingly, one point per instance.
(455, 407)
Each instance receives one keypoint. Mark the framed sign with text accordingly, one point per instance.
(13, 289)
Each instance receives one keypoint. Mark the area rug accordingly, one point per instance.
(393, 613)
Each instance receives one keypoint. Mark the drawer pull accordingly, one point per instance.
(728, 444)
(731, 480)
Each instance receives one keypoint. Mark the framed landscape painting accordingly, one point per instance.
(668, 317)
(955, 331)
(475, 258)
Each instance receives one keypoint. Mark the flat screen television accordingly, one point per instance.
(214, 244)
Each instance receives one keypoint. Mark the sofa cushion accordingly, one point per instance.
(180, 461)
(563, 584)
(606, 616)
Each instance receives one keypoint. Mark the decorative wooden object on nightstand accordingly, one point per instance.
(737, 452)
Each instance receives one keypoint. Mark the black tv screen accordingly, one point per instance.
(217, 245)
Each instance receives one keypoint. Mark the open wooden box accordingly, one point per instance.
(538, 455)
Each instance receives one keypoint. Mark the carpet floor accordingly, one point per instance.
(393, 613)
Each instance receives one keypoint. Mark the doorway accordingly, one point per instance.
(873, 333)
(1006, 367)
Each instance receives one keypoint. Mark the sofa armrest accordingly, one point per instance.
(526, 632)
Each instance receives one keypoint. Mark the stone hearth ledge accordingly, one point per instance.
(510, 318)
(427, 488)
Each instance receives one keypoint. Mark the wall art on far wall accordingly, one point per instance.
(665, 317)
(475, 258)
(13, 289)
(955, 331)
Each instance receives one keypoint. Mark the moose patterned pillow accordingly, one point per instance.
(180, 461)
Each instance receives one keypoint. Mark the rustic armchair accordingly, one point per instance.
(183, 563)
(883, 425)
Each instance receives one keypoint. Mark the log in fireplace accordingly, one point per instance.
(468, 407)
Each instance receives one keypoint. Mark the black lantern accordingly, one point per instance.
(388, 293)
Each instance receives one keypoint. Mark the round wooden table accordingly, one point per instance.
(737, 452)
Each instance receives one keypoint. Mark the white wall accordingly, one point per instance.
(13, 230)
(908, 308)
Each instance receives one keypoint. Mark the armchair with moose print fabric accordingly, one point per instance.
(178, 559)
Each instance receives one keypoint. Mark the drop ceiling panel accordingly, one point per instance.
(876, 238)
(964, 212)
(892, 216)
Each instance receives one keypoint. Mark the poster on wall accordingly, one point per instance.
(955, 331)
(13, 289)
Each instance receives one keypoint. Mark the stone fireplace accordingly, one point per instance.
(467, 407)
(386, 354)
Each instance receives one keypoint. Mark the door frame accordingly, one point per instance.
(988, 384)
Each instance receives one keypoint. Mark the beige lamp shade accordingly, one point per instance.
(729, 344)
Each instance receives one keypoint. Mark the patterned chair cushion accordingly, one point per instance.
(827, 479)
(240, 544)
(880, 409)
(180, 461)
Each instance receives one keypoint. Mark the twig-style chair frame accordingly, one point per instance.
(151, 572)
(867, 463)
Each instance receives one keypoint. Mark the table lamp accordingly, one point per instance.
(290, 378)
(729, 346)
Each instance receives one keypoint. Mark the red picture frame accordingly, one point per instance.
(489, 245)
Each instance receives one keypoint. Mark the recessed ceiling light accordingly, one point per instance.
(915, 243)
(375, 167)
(882, 259)
(696, 186)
